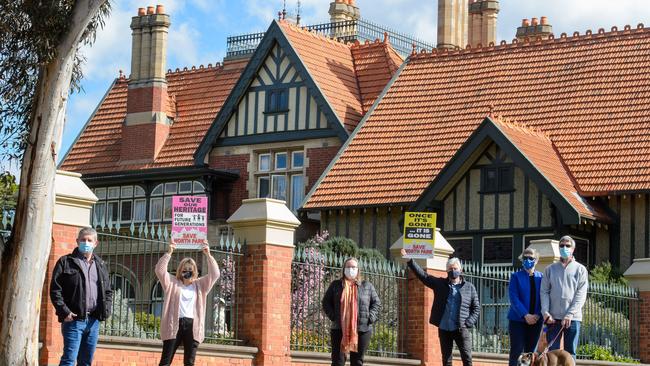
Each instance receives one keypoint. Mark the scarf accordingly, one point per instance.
(349, 314)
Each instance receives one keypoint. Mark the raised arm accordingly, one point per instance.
(206, 282)
(161, 268)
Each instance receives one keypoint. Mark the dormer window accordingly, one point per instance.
(277, 101)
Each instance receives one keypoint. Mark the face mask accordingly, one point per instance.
(187, 274)
(565, 252)
(453, 274)
(351, 273)
(85, 246)
(529, 264)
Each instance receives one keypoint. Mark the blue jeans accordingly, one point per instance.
(571, 336)
(523, 338)
(79, 341)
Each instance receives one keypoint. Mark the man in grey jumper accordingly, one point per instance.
(563, 294)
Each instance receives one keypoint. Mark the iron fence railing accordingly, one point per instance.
(610, 315)
(138, 296)
(346, 31)
(6, 223)
(312, 272)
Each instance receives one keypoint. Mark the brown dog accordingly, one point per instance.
(559, 357)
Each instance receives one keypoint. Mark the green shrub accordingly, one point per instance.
(383, 341)
(605, 273)
(601, 353)
(309, 340)
(371, 254)
(340, 245)
(148, 322)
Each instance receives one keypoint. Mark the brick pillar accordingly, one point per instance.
(267, 226)
(639, 276)
(71, 212)
(421, 338)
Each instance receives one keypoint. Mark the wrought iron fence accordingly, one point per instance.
(610, 315)
(312, 272)
(138, 296)
(347, 31)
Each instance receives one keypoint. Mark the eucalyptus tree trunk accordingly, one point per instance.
(24, 259)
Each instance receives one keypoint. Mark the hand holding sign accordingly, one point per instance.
(205, 248)
(189, 221)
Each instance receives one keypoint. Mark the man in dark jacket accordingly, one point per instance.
(455, 309)
(81, 294)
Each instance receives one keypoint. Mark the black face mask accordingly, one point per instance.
(187, 274)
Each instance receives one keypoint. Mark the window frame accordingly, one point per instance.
(500, 186)
(275, 161)
(135, 202)
(281, 101)
(499, 264)
(293, 159)
(292, 203)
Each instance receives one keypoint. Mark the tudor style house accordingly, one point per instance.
(264, 123)
(541, 137)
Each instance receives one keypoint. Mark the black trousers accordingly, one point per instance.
(356, 358)
(184, 336)
(463, 339)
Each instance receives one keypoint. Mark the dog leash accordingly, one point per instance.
(548, 346)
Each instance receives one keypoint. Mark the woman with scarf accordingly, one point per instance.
(525, 316)
(352, 305)
(184, 304)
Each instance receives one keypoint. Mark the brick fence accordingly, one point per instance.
(268, 227)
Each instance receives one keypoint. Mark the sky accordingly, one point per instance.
(200, 27)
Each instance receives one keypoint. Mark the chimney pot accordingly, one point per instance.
(525, 23)
(160, 9)
(150, 10)
(534, 21)
(544, 21)
(141, 11)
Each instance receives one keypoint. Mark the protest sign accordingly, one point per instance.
(419, 234)
(189, 221)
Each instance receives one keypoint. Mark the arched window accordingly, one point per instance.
(119, 282)
(156, 300)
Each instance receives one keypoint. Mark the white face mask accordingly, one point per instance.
(351, 273)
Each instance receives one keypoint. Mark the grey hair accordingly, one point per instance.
(569, 239)
(453, 261)
(87, 231)
(530, 251)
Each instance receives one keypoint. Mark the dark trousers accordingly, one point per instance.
(463, 339)
(523, 338)
(184, 336)
(356, 358)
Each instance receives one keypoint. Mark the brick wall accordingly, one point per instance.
(64, 240)
(319, 159)
(123, 357)
(644, 326)
(265, 301)
(142, 142)
(239, 190)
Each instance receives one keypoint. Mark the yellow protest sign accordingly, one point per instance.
(419, 234)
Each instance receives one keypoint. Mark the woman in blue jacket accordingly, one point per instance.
(525, 311)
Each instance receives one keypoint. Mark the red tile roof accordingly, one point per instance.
(199, 92)
(351, 76)
(539, 150)
(589, 94)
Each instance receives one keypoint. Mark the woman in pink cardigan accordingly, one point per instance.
(183, 314)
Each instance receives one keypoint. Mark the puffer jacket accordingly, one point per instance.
(469, 304)
(369, 305)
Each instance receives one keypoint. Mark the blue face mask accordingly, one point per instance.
(85, 247)
(565, 252)
(529, 264)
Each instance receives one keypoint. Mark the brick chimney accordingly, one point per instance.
(452, 23)
(342, 10)
(483, 22)
(147, 122)
(534, 28)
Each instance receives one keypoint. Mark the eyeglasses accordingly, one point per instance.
(528, 258)
(565, 245)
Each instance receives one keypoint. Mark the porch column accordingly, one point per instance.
(72, 209)
(421, 338)
(549, 252)
(267, 227)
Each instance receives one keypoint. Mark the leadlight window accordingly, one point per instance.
(281, 175)
(277, 101)
(495, 179)
(462, 248)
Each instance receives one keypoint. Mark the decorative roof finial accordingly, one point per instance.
(284, 9)
(298, 10)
